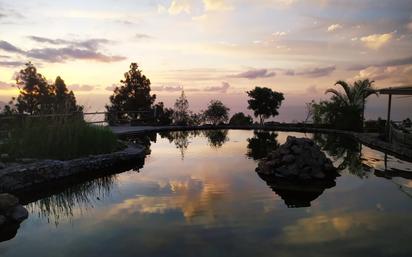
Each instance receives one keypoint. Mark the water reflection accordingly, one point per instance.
(261, 144)
(216, 138)
(346, 151)
(181, 139)
(213, 204)
(297, 194)
(80, 197)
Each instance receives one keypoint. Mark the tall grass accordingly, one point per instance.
(57, 138)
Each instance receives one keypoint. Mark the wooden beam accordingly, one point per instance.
(388, 119)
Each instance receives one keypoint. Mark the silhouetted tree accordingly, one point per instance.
(264, 102)
(355, 95)
(241, 119)
(261, 144)
(216, 112)
(36, 96)
(64, 100)
(133, 95)
(164, 116)
(181, 113)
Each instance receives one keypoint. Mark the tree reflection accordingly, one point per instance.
(346, 149)
(80, 197)
(61, 199)
(216, 138)
(261, 144)
(179, 138)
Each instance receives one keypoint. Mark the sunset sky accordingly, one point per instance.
(211, 48)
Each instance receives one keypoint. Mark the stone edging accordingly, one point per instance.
(23, 176)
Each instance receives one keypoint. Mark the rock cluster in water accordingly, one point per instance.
(11, 215)
(299, 159)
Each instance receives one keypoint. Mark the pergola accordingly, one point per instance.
(403, 90)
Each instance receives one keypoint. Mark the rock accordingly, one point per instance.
(2, 165)
(18, 213)
(3, 220)
(7, 201)
(296, 149)
(4, 156)
(288, 158)
(298, 158)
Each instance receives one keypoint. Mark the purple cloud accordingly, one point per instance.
(255, 73)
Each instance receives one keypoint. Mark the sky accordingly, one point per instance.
(213, 49)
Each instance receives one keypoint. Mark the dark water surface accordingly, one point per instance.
(199, 195)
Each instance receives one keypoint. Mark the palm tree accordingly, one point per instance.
(356, 94)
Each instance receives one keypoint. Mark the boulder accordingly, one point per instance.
(300, 159)
(7, 201)
(18, 213)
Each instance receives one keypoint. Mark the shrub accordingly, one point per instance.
(57, 138)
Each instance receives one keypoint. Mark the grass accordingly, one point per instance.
(57, 138)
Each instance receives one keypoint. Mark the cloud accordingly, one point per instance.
(396, 74)
(142, 36)
(216, 5)
(334, 27)
(111, 88)
(6, 46)
(317, 72)
(11, 63)
(85, 88)
(167, 88)
(70, 53)
(179, 6)
(255, 73)
(82, 50)
(289, 73)
(220, 89)
(4, 85)
(279, 34)
(376, 41)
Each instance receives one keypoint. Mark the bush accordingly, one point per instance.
(57, 138)
(241, 119)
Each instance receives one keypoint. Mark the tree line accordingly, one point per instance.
(132, 101)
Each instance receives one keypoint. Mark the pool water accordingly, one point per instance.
(198, 195)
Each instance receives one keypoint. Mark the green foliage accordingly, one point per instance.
(216, 112)
(241, 119)
(264, 102)
(38, 97)
(57, 138)
(133, 95)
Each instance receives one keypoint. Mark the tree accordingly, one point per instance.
(64, 100)
(240, 119)
(133, 95)
(181, 114)
(39, 97)
(355, 95)
(164, 116)
(36, 96)
(264, 102)
(216, 112)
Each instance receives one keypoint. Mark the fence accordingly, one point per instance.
(102, 118)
